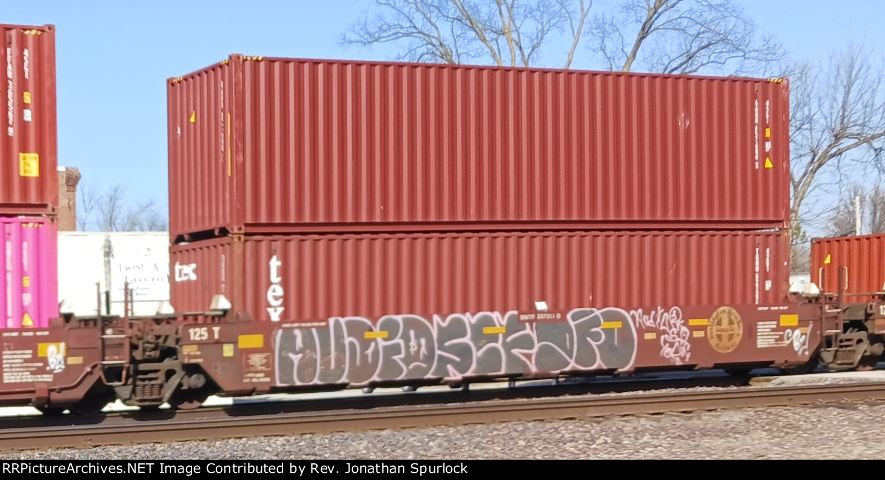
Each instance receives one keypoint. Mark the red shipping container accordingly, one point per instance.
(272, 145)
(862, 258)
(28, 146)
(28, 272)
(311, 278)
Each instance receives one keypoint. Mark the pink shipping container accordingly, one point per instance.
(29, 272)
(28, 146)
(273, 145)
(310, 278)
(862, 258)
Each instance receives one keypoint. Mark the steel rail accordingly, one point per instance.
(219, 423)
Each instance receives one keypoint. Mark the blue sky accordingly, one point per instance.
(114, 57)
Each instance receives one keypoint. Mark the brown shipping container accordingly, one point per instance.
(310, 278)
(271, 145)
(28, 155)
(862, 258)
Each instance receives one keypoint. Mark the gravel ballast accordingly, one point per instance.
(807, 432)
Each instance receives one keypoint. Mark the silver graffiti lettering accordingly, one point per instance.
(410, 347)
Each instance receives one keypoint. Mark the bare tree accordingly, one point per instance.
(110, 212)
(876, 202)
(837, 121)
(843, 218)
(144, 217)
(800, 258)
(669, 36)
(110, 208)
(508, 32)
(682, 36)
(86, 205)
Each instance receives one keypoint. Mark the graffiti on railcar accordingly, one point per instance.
(674, 338)
(798, 338)
(411, 347)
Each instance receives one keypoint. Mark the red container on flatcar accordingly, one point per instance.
(274, 145)
(28, 146)
(861, 260)
(311, 278)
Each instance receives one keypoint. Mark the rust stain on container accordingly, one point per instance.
(862, 258)
(28, 147)
(288, 145)
(311, 278)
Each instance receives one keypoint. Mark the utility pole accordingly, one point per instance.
(858, 218)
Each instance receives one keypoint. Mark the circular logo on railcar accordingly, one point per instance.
(725, 330)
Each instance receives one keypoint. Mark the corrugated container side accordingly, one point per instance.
(862, 257)
(204, 143)
(307, 278)
(28, 265)
(328, 145)
(28, 146)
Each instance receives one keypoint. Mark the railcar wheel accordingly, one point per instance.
(867, 364)
(51, 411)
(188, 399)
(91, 405)
(802, 369)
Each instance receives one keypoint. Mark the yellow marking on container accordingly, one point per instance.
(767, 132)
(227, 350)
(650, 335)
(28, 164)
(26, 282)
(43, 348)
(27, 321)
(768, 164)
(190, 348)
(698, 333)
(26, 98)
(252, 340)
(371, 334)
(698, 322)
(828, 260)
(789, 320)
(611, 325)
(75, 360)
(192, 118)
(494, 330)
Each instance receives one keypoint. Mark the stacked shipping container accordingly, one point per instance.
(861, 259)
(266, 145)
(310, 278)
(29, 267)
(367, 177)
(28, 183)
(28, 178)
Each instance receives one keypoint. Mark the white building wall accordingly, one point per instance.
(110, 260)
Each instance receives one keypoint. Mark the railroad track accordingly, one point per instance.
(216, 423)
